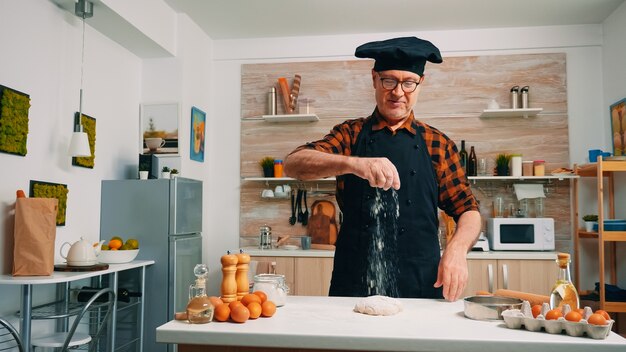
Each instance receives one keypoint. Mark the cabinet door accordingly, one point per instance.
(533, 276)
(284, 266)
(482, 276)
(313, 276)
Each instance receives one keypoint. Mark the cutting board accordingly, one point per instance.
(95, 267)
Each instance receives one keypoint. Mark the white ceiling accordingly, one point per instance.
(234, 19)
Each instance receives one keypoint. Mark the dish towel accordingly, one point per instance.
(523, 191)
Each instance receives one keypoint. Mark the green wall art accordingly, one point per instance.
(40, 189)
(89, 126)
(14, 107)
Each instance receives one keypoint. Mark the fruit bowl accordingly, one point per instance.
(117, 257)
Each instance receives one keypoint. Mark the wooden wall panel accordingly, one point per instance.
(452, 98)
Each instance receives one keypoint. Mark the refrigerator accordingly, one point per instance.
(165, 216)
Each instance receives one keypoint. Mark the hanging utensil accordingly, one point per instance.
(292, 219)
(305, 215)
(299, 205)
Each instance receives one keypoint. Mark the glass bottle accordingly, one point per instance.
(564, 291)
(199, 308)
(463, 156)
(472, 163)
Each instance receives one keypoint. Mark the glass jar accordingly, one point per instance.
(527, 168)
(274, 287)
(539, 167)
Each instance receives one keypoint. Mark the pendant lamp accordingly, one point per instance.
(79, 145)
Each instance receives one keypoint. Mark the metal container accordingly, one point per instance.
(514, 97)
(489, 307)
(524, 94)
(271, 101)
(265, 237)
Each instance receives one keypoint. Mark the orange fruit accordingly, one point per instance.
(215, 301)
(603, 313)
(240, 314)
(221, 312)
(581, 311)
(115, 244)
(597, 319)
(554, 314)
(255, 309)
(261, 295)
(234, 304)
(268, 308)
(573, 316)
(536, 310)
(247, 299)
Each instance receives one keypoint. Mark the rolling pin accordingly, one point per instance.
(328, 247)
(532, 298)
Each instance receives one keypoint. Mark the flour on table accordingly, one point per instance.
(378, 305)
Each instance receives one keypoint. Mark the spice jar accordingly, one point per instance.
(278, 168)
(274, 287)
(539, 167)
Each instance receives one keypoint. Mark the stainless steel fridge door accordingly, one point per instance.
(185, 253)
(185, 206)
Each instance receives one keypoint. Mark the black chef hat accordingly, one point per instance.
(405, 54)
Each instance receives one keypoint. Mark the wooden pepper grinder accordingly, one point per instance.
(243, 287)
(229, 283)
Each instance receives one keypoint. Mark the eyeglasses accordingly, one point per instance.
(407, 86)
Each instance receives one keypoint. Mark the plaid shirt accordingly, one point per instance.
(455, 196)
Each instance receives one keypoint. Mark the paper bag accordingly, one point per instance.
(35, 231)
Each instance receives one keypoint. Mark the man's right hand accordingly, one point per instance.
(379, 172)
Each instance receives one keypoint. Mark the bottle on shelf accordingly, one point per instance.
(463, 156)
(564, 291)
(199, 309)
(472, 163)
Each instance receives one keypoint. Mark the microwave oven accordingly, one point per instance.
(520, 234)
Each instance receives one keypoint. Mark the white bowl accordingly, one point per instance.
(117, 257)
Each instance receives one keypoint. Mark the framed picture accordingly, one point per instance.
(89, 126)
(196, 142)
(618, 127)
(14, 108)
(40, 189)
(159, 128)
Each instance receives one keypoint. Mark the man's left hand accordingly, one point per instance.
(452, 273)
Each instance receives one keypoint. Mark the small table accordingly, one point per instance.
(27, 283)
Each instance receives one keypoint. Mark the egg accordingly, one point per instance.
(536, 310)
(597, 319)
(603, 313)
(573, 316)
(554, 314)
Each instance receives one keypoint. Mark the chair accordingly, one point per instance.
(72, 338)
(9, 338)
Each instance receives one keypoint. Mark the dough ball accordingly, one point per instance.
(378, 305)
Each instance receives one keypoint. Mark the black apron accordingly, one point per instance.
(389, 250)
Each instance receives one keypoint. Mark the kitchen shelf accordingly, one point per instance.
(505, 178)
(290, 118)
(286, 179)
(510, 112)
(600, 170)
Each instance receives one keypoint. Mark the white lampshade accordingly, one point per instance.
(79, 146)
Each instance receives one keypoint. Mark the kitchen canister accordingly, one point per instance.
(516, 165)
(514, 97)
(274, 287)
(271, 101)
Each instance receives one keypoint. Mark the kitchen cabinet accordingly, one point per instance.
(527, 275)
(305, 276)
(600, 170)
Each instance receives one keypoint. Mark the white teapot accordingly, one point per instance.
(81, 253)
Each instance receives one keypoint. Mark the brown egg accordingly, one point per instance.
(573, 316)
(222, 312)
(603, 313)
(255, 309)
(554, 314)
(536, 310)
(269, 308)
(240, 314)
(597, 319)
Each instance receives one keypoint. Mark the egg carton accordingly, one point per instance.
(516, 318)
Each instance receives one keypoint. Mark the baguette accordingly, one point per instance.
(532, 298)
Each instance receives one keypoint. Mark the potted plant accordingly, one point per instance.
(502, 164)
(165, 172)
(144, 170)
(267, 164)
(590, 220)
(174, 173)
